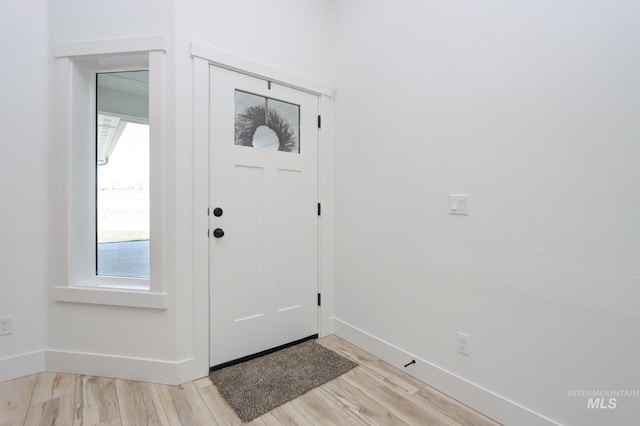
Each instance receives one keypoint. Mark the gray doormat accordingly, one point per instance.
(255, 387)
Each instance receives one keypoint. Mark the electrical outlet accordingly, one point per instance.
(6, 325)
(459, 204)
(463, 343)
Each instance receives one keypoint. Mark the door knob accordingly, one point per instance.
(218, 233)
(217, 212)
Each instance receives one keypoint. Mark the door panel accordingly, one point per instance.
(264, 177)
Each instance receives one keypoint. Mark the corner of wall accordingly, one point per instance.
(22, 365)
(471, 394)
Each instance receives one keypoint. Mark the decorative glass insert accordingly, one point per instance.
(122, 174)
(266, 123)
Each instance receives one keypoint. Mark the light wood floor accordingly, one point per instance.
(372, 393)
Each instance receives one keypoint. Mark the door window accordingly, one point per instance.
(266, 123)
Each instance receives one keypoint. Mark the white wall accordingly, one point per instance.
(531, 108)
(78, 20)
(109, 340)
(23, 181)
(287, 34)
(167, 345)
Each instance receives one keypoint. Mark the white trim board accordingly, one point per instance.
(247, 66)
(111, 296)
(21, 365)
(117, 367)
(200, 221)
(326, 224)
(113, 46)
(473, 395)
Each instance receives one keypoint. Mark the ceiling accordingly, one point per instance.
(122, 97)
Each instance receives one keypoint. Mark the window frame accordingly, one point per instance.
(74, 161)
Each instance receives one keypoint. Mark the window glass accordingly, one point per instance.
(122, 174)
(266, 123)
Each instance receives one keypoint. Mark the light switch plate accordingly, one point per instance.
(459, 204)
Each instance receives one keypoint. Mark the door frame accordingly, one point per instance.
(203, 57)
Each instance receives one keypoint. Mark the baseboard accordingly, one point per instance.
(473, 395)
(118, 367)
(21, 365)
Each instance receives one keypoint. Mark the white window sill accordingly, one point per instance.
(100, 295)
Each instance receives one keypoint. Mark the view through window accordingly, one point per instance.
(122, 174)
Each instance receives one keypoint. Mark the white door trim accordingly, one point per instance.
(203, 57)
(253, 68)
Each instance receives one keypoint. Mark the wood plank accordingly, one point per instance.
(383, 371)
(287, 414)
(318, 406)
(184, 405)
(434, 400)
(15, 396)
(203, 382)
(111, 422)
(394, 401)
(269, 419)
(222, 413)
(51, 386)
(360, 404)
(140, 404)
(98, 401)
(78, 401)
(57, 411)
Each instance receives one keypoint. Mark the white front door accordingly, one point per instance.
(263, 220)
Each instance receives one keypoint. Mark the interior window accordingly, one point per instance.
(122, 174)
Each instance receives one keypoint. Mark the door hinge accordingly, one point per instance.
(208, 211)
(208, 233)
(319, 209)
(319, 300)
(319, 122)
